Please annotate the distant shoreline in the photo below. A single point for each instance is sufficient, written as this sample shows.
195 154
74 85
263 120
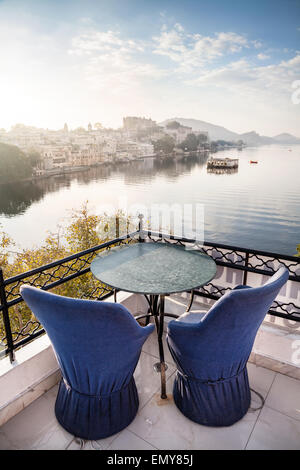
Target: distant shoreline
74 170
173 155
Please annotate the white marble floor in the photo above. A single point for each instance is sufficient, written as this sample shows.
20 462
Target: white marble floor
160 425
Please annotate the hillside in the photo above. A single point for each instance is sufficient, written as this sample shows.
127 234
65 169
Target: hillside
286 139
221 133
14 164
253 138
215 132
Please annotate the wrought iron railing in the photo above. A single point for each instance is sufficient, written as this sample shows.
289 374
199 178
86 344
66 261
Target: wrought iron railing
61 273
74 272
245 261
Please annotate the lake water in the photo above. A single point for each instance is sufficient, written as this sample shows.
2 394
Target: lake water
257 207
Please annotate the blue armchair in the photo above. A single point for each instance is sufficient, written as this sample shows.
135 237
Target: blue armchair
97 345
211 353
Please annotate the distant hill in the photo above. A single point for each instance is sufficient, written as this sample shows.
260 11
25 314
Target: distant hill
221 133
215 132
286 139
253 138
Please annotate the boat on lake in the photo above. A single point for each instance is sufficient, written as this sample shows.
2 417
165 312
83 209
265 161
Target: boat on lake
222 163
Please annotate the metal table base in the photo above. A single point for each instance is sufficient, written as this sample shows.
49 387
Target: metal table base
157 311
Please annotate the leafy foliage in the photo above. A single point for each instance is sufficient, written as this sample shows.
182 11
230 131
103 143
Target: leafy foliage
164 145
34 157
173 125
192 142
14 164
85 231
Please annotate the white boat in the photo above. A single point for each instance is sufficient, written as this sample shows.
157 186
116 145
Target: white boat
223 163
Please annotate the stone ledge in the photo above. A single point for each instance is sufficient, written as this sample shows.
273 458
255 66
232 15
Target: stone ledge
34 372
275 365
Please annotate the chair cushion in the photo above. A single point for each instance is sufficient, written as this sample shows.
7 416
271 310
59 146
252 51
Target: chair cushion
192 317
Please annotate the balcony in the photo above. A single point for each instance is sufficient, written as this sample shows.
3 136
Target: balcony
29 372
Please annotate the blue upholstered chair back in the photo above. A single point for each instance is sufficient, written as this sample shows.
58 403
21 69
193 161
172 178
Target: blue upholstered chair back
211 385
222 342
97 344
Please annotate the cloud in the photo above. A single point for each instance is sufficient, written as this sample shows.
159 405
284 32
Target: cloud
112 62
242 77
103 41
195 50
257 44
262 56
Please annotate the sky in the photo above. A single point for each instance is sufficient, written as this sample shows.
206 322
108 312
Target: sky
227 62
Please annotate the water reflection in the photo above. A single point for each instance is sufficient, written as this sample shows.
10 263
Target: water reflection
173 168
222 171
16 198
257 206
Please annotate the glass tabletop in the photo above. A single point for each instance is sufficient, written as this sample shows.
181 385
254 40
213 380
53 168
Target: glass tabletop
153 268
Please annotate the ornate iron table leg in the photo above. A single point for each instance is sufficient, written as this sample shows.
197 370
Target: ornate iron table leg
161 366
190 302
157 311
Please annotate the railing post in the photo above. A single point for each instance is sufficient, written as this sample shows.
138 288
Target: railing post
246 272
117 226
141 227
6 322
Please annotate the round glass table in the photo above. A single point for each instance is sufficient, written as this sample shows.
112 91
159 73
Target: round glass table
154 270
